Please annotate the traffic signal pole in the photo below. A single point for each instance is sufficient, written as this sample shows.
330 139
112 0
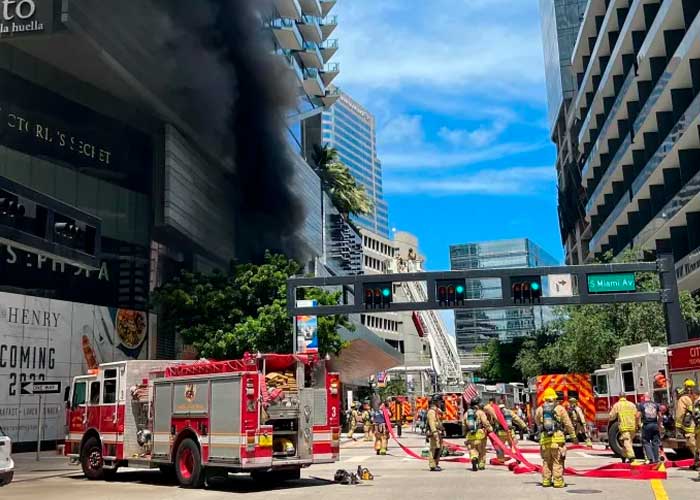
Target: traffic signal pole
580 277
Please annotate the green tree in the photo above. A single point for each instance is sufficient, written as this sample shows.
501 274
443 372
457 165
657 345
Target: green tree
395 387
225 315
348 196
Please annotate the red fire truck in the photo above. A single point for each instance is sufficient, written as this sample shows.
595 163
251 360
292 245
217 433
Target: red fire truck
269 415
643 369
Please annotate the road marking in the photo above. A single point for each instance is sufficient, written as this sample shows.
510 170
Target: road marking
357 459
658 488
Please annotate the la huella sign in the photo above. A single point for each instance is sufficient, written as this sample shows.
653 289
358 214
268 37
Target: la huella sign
18 17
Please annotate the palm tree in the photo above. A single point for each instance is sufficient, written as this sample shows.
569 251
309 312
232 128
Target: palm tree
347 195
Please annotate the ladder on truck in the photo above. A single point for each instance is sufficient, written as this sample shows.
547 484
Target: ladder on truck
443 351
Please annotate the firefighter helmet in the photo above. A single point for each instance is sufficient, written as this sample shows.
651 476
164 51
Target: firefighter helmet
476 401
435 399
573 400
689 383
284 445
549 394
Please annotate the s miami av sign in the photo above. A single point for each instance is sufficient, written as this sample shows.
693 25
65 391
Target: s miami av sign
26 17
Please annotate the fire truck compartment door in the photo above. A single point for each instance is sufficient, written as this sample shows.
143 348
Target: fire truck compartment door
306 423
225 420
162 409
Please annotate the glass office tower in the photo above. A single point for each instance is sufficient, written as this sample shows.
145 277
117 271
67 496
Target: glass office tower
478 326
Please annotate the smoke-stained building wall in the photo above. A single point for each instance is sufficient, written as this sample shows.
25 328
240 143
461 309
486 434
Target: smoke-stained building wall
136 139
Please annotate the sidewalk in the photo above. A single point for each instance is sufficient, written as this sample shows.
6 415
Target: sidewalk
49 465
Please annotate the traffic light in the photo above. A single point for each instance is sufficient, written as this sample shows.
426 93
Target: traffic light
378 295
526 289
451 292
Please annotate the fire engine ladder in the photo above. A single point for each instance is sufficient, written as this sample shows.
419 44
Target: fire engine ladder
445 358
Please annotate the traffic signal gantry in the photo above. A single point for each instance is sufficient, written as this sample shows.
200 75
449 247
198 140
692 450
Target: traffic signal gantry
567 285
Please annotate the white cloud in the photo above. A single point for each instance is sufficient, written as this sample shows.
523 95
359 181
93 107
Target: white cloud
509 181
483 47
401 129
434 158
479 137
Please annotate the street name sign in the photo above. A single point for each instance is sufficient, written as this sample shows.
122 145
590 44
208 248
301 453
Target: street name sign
611 283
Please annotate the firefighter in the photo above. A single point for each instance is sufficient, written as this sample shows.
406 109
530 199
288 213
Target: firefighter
553 421
354 418
514 421
626 412
434 433
397 415
477 427
685 420
381 433
367 421
578 420
652 426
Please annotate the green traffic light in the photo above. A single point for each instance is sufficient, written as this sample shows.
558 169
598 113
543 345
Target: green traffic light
534 286
460 289
386 292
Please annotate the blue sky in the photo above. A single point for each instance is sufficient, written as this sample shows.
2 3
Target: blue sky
457 88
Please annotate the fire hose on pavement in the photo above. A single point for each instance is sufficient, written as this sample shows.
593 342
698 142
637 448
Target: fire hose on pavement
521 465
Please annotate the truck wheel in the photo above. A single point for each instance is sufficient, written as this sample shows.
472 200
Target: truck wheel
91 459
188 464
614 439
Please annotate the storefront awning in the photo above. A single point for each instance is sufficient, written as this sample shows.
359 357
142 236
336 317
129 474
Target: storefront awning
365 355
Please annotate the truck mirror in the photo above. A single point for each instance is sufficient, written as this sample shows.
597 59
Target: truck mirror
66 397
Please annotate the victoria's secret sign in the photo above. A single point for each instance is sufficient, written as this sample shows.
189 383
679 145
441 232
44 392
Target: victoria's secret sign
38 122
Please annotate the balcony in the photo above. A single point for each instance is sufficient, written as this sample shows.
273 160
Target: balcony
310 55
293 64
288 8
331 96
311 8
329 72
328 49
313 85
287 34
328 25
326 6
310 29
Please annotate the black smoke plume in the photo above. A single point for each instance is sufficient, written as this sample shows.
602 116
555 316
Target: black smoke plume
223 74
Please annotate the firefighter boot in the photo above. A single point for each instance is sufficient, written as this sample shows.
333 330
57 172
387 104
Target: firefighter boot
559 483
696 462
475 464
482 465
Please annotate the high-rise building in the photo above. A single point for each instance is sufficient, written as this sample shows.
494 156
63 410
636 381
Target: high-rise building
349 128
561 20
300 32
635 115
382 255
476 327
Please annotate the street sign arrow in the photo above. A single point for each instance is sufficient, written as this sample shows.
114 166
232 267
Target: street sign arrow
32 387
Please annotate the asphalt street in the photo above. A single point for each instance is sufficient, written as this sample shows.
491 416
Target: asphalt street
396 476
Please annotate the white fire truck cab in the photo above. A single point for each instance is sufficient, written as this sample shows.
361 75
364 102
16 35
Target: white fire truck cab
642 369
269 415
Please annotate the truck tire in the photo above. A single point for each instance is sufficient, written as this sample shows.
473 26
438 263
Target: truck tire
91 459
614 439
188 464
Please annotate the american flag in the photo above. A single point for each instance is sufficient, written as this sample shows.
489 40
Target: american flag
469 393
